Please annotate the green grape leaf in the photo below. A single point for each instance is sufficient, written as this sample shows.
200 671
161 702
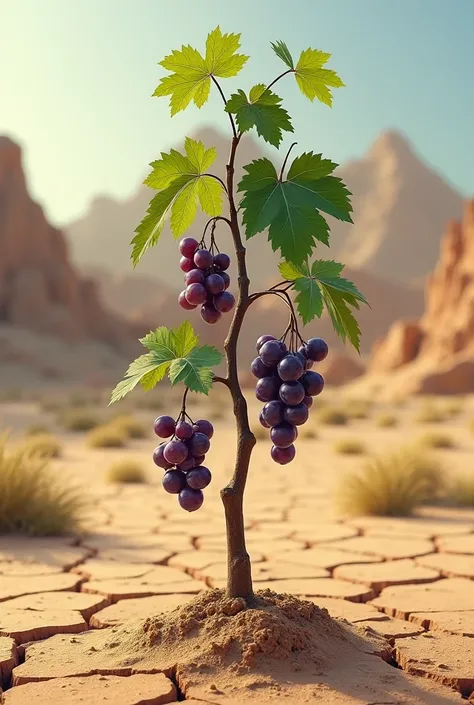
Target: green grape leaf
176 352
190 78
290 209
322 286
261 110
195 370
313 80
182 182
282 51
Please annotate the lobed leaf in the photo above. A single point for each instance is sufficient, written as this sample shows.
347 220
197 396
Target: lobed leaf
261 110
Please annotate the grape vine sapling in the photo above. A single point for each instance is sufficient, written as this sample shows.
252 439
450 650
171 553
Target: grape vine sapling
288 204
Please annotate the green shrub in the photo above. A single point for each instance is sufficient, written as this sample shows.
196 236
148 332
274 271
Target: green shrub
107 436
32 500
349 446
392 484
126 472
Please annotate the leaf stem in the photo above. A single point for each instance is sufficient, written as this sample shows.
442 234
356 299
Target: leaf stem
234 129
285 160
285 73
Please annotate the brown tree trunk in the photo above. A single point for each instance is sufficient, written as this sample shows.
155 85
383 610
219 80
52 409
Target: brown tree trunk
239 579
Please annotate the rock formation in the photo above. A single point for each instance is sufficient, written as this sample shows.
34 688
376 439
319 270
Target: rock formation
40 290
437 351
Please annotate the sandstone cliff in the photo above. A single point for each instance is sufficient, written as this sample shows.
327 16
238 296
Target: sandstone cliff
40 290
436 352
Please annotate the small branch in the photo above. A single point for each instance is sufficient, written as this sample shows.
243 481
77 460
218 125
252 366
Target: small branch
183 403
217 178
222 380
284 296
214 220
285 160
285 73
234 129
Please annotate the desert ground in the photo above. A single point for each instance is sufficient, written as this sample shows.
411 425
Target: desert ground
405 584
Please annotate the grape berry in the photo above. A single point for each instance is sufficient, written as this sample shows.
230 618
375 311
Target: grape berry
206 281
182 456
287 384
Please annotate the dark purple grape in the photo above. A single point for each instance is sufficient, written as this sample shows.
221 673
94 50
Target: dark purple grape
210 314
272 412
292 393
267 388
184 303
296 415
313 383
308 401
188 246
199 478
195 294
283 455
259 369
290 368
214 284
203 259
226 279
198 460
198 444
187 464
309 364
190 499
222 261
184 430
224 302
195 276
164 426
159 458
283 435
261 418
301 357
264 339
316 349
175 452
272 351
174 481
186 264
204 426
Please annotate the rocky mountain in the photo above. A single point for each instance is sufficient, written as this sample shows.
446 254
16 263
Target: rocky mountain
435 353
400 206
40 289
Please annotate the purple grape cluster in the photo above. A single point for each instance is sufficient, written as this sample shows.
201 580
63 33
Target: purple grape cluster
182 458
206 281
287 384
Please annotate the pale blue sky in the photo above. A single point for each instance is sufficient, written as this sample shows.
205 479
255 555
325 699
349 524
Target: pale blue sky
76 78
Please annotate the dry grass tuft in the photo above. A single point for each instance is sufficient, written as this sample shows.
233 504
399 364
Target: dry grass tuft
437 439
131 426
462 491
392 484
454 407
126 472
32 501
333 416
107 436
37 429
308 433
430 413
386 421
358 408
44 445
349 446
79 420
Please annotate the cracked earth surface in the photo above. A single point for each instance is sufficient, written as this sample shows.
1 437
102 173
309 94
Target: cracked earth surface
408 582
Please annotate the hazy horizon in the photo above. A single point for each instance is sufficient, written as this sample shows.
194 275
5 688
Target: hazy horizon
78 79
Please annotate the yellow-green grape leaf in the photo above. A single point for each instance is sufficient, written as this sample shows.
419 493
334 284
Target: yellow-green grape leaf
190 77
313 80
